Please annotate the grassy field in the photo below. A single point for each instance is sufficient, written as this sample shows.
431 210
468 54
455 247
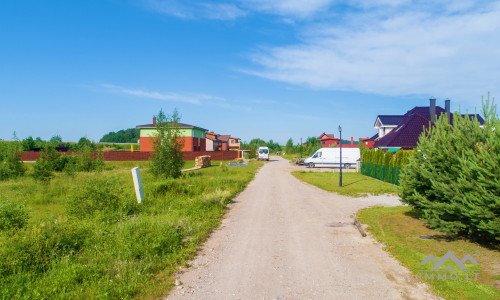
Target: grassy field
353 184
88 238
400 230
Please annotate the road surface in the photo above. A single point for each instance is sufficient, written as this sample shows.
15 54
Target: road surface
285 239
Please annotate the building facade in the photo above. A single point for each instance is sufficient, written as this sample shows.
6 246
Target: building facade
192 137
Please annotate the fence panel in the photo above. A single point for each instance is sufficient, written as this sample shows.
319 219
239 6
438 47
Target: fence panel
388 174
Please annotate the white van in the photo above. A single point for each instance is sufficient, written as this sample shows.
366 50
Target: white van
330 157
263 153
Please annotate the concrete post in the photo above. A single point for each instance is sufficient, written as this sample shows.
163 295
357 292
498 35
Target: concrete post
136 175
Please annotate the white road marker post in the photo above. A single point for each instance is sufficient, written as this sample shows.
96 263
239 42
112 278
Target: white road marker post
136 175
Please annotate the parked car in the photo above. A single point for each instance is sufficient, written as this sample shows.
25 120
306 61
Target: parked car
330 157
263 153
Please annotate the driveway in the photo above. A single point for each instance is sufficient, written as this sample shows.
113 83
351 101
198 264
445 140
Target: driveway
285 239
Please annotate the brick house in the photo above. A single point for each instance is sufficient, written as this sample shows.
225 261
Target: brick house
329 140
193 137
232 142
214 143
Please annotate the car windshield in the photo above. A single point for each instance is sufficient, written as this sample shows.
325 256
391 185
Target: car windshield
263 151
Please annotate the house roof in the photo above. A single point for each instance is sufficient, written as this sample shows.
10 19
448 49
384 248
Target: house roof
181 125
406 134
374 137
324 136
224 137
389 120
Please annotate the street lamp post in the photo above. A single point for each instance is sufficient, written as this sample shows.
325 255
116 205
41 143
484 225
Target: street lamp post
340 180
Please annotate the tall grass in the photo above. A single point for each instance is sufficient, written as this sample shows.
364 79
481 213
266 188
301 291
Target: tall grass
87 237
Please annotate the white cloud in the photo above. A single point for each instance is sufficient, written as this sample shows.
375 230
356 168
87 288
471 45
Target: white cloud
196 9
169 96
411 52
294 8
191 98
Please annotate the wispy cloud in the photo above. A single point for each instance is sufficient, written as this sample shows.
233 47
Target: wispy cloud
168 96
288 8
196 9
412 51
191 98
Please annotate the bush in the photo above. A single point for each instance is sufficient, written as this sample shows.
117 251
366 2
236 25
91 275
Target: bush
13 215
85 160
12 166
42 170
101 197
453 176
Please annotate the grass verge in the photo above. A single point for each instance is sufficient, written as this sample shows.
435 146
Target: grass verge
87 237
399 229
353 184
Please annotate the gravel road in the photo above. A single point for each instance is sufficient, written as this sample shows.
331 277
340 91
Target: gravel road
285 239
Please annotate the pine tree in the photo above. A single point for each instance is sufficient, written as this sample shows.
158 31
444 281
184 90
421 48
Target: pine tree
453 177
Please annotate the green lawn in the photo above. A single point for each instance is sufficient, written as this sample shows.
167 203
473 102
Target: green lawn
399 229
70 249
353 184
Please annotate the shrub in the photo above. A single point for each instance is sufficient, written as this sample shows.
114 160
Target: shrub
100 196
85 160
42 170
13 215
12 166
453 176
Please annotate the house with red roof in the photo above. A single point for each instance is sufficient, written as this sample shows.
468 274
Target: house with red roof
329 140
405 134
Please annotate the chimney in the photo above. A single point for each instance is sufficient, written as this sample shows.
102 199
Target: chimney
352 140
447 109
154 121
432 109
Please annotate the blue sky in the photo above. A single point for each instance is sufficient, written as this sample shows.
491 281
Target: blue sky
249 68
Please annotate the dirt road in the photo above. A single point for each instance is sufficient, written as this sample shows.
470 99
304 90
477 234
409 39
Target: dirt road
285 239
